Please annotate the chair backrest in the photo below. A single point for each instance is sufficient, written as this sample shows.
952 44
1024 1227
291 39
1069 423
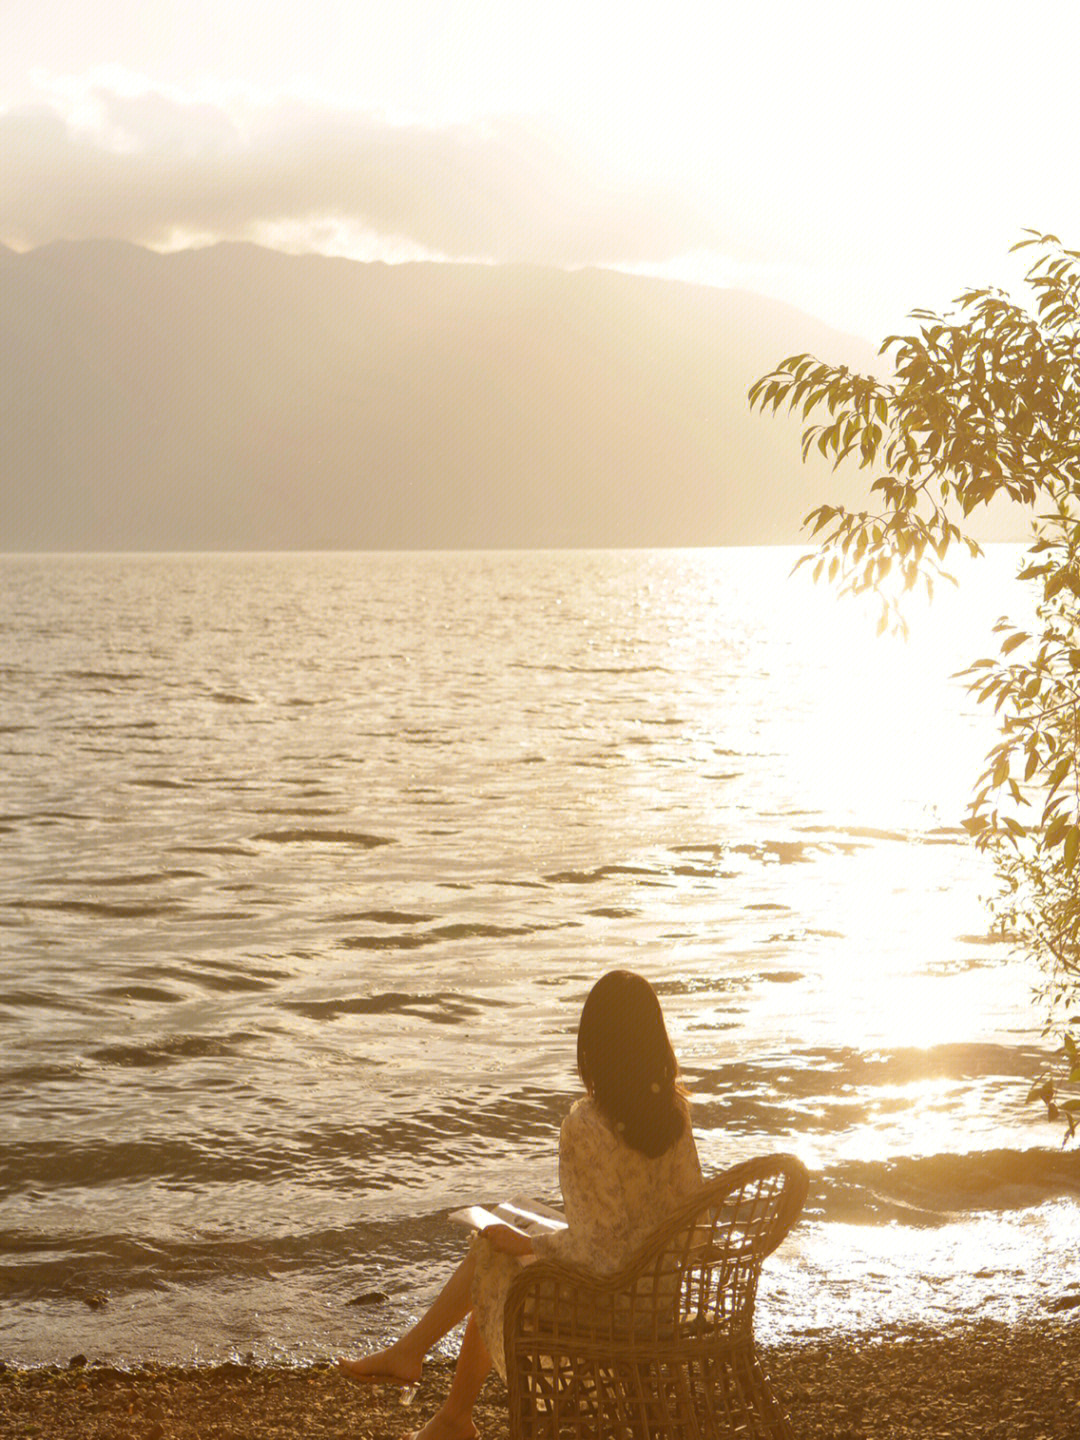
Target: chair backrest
717 1244
697 1272
590 1356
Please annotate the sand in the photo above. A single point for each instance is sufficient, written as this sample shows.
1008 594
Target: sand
983 1382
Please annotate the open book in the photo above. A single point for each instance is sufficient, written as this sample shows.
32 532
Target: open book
528 1215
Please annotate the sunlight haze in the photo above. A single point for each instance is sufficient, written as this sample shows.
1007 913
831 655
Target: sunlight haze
414 421
853 161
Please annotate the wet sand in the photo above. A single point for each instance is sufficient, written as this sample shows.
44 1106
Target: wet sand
986 1382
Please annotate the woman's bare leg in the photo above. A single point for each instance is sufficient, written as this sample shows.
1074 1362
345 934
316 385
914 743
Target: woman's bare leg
453 1419
404 1359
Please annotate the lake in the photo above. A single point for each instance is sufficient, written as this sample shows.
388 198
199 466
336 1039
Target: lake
307 863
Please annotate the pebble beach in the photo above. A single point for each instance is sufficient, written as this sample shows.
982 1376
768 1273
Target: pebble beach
984 1382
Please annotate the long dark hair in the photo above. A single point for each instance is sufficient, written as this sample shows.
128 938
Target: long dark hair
627 1065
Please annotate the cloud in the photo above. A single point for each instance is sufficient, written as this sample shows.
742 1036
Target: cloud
144 165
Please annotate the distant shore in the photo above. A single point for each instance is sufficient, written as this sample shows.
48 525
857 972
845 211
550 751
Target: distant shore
987 1382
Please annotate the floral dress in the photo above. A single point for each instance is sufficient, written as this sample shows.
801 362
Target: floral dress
613 1196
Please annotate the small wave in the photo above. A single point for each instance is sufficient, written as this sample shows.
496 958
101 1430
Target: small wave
302 836
617 670
590 669
153 783
102 908
22 1076
601 872
211 850
234 984
169 1050
41 1265
466 931
857 832
48 1166
960 965
155 993
933 1189
229 697
96 882
38 1000
311 812
384 942
787 852
112 675
214 917
459 930
444 1009
220 976
612 912
812 1074
385 917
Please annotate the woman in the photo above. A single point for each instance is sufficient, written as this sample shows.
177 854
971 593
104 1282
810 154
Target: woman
626 1157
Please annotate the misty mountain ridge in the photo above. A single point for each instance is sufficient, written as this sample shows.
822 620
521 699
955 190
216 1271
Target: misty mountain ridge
234 397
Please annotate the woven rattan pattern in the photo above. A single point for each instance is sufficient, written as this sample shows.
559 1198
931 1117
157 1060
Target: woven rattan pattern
663 1350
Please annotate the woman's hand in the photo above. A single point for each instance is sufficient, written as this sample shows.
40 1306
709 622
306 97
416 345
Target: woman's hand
507 1240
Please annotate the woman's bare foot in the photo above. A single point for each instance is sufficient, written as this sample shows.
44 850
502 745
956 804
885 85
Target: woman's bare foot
443 1427
393 1366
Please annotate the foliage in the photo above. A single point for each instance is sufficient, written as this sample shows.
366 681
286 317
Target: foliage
984 401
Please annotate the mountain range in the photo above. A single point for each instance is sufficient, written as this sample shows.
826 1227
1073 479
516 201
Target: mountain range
238 398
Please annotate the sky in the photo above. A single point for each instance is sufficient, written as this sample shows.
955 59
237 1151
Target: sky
854 159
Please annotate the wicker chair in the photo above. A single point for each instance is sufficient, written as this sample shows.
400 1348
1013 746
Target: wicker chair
663 1350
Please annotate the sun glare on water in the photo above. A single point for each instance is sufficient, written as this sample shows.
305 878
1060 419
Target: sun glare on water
881 749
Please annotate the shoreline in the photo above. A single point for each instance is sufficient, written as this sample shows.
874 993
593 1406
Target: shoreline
989 1380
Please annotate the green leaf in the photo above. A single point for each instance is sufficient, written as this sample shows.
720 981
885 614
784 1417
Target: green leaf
1061 769
1055 831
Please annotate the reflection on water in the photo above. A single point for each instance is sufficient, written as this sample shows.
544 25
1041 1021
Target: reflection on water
308 865
843 1277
